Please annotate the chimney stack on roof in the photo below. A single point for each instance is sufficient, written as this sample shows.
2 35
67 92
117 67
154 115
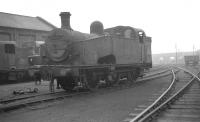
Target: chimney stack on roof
65 20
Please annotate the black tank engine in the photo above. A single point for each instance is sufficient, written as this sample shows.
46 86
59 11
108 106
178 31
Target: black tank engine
85 60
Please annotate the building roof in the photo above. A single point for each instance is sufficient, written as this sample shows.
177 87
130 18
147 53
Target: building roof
24 22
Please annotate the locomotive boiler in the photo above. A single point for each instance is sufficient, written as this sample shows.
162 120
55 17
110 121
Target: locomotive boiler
78 59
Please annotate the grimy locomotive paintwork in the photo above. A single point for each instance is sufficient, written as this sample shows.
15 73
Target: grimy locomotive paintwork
13 62
80 59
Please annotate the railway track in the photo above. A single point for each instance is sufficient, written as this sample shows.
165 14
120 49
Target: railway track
158 67
179 103
27 97
186 108
20 102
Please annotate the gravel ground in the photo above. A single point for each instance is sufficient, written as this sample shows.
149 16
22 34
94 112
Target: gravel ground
95 107
6 91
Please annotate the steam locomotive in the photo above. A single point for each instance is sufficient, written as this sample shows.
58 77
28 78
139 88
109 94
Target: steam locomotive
113 55
13 62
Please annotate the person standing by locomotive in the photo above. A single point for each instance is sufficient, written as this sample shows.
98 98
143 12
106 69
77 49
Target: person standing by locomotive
38 77
58 83
51 85
110 79
51 80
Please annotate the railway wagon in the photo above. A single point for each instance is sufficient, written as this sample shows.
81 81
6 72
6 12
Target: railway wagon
191 60
106 56
13 62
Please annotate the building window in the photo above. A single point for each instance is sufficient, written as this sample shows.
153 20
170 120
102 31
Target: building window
5 36
26 40
9 48
38 47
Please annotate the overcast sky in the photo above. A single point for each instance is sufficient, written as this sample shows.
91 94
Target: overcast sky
168 22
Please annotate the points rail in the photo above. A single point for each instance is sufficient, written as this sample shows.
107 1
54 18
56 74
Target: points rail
158 102
163 102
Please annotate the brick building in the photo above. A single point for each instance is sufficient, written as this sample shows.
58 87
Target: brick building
25 30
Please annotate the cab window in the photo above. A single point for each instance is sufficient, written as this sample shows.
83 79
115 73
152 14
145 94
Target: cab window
141 34
9 48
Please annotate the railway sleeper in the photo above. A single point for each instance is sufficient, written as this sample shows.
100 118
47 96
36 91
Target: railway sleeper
184 106
189 111
187 102
178 118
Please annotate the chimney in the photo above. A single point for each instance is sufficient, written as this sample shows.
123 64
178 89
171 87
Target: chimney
65 20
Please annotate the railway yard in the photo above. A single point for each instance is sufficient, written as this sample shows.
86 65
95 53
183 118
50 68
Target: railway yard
145 100
104 74
125 71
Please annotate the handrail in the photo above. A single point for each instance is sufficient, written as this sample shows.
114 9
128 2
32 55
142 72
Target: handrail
158 101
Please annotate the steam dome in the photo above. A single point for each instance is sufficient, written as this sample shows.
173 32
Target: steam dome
96 28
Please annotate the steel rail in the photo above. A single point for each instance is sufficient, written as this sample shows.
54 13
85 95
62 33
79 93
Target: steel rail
27 97
157 73
164 105
154 76
16 106
187 71
158 102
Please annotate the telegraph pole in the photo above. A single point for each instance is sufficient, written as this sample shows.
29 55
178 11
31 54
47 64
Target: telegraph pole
176 53
193 49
